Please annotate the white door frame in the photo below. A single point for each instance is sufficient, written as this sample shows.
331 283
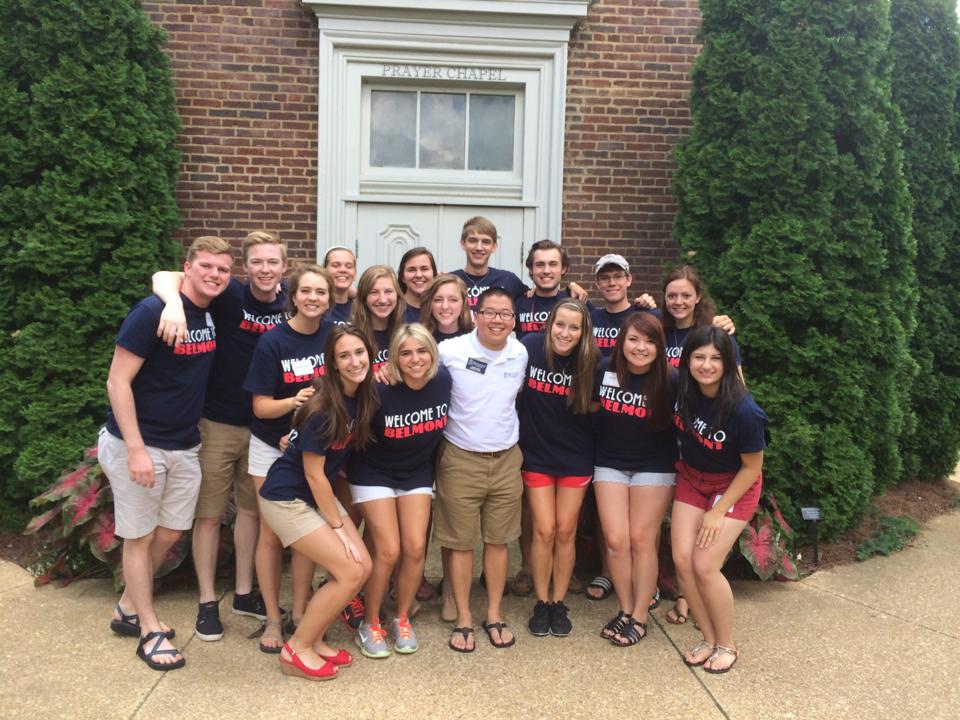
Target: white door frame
514 42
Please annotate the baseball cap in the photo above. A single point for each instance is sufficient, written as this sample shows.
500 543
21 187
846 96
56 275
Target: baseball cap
611 259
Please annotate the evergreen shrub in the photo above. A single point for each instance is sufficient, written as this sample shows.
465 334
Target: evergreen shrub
793 203
88 168
926 79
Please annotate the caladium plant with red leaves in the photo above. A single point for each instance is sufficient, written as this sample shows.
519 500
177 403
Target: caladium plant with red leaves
766 542
77 527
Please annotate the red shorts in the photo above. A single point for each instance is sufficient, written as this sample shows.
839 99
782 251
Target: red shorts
539 480
703 490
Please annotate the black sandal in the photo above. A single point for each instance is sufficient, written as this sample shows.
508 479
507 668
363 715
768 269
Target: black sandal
129 625
467 632
615 626
630 634
148 655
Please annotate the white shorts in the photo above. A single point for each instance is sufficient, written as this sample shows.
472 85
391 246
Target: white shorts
261 457
639 479
366 493
170 503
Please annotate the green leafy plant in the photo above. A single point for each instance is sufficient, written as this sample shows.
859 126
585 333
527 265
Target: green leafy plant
793 204
767 542
76 525
88 170
893 534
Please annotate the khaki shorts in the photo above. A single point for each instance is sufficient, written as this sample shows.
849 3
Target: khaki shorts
223 467
170 503
291 520
477 492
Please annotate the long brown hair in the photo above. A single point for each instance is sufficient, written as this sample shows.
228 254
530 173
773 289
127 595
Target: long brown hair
703 311
328 396
658 389
465 322
585 356
360 315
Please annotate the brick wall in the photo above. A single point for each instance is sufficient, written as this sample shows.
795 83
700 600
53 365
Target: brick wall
245 76
627 87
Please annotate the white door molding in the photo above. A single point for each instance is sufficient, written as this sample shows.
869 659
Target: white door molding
519 44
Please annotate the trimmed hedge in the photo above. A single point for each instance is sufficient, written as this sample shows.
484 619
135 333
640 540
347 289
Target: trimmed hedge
87 174
926 80
792 197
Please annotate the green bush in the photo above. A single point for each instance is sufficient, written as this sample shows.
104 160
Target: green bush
87 174
792 199
926 79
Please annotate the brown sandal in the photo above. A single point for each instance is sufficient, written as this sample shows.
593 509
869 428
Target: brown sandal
273 631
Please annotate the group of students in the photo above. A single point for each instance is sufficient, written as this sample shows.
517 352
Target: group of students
321 408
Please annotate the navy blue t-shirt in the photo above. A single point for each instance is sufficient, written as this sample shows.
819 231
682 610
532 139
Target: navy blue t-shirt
718 450
554 440
286 479
532 312
339 314
411 314
675 338
381 349
284 362
406 431
495 277
240 320
625 439
169 388
606 327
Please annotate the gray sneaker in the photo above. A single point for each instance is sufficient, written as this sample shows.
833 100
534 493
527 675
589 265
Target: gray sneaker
372 641
404 638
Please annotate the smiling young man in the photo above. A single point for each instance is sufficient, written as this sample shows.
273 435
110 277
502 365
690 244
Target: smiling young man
613 281
478 240
243 313
547 263
478 463
148 448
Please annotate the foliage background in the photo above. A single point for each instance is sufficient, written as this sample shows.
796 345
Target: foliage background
87 174
793 199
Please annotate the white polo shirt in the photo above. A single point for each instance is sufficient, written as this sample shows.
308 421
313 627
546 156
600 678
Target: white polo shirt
483 404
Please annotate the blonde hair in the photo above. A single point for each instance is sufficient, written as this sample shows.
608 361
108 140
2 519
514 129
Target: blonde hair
210 244
261 237
465 322
413 331
360 314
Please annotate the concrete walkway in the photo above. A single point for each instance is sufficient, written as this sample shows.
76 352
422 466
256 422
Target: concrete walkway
878 639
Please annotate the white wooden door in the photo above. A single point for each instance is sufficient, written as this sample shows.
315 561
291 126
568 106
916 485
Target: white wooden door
385 231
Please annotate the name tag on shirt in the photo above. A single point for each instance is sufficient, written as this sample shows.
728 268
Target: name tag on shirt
477 366
610 379
302 367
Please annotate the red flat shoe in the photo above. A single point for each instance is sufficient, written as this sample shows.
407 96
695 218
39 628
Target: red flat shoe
341 659
296 667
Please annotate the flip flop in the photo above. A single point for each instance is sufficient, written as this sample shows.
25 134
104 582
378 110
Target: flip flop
675 617
717 652
604 583
498 626
466 632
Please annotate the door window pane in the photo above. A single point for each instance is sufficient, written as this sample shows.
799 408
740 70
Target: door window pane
491 132
393 129
443 124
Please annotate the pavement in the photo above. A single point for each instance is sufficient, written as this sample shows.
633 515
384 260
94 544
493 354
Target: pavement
877 639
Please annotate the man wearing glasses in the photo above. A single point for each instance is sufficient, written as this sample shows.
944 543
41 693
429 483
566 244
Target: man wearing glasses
478 462
613 281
